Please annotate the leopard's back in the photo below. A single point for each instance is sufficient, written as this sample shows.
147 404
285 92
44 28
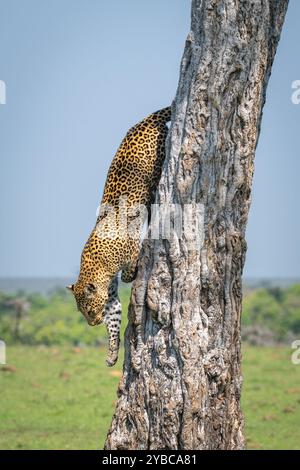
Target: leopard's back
136 167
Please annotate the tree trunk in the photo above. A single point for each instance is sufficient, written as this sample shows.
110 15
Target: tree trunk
181 384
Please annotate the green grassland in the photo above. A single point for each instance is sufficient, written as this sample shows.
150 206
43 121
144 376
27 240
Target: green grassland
62 397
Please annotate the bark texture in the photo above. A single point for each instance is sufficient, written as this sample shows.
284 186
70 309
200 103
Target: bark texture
182 380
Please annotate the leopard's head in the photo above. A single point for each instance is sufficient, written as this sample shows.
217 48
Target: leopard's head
91 298
91 289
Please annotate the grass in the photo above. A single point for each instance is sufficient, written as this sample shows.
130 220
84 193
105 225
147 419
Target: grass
63 398
271 398
57 398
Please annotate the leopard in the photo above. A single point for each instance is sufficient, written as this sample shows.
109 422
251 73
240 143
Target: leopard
113 245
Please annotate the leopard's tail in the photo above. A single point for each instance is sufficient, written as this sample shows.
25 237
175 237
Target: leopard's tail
163 115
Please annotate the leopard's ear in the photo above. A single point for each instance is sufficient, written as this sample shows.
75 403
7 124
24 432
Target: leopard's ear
71 287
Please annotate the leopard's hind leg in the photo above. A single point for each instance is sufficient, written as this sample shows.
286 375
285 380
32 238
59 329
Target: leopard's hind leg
129 270
112 321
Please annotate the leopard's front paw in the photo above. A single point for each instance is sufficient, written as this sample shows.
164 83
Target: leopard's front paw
112 358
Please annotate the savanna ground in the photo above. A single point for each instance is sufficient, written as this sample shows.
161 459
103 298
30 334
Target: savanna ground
60 397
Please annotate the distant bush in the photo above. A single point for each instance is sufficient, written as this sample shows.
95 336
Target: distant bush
276 310
258 335
269 315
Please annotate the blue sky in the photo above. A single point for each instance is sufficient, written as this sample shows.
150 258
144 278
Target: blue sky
78 74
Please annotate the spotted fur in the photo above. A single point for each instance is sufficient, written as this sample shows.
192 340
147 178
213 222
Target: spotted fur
112 321
132 179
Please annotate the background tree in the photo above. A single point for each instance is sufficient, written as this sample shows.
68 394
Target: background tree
182 380
20 308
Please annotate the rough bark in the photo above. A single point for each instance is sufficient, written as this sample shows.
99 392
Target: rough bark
181 383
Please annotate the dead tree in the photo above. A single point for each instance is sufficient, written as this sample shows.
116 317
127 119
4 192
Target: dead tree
181 383
20 307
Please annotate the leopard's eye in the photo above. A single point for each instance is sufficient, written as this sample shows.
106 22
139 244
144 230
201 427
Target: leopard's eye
90 288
